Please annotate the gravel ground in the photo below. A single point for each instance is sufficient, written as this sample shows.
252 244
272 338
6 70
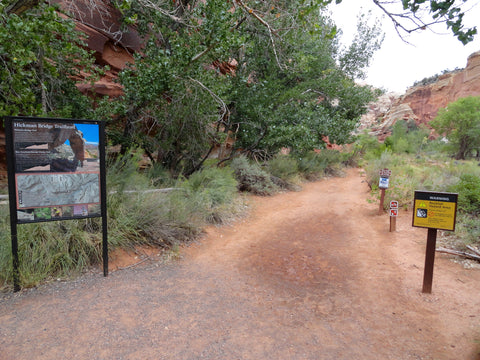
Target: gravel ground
309 275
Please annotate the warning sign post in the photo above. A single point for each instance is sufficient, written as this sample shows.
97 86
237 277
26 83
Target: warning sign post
434 211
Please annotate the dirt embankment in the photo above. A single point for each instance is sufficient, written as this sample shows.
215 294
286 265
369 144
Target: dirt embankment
313 275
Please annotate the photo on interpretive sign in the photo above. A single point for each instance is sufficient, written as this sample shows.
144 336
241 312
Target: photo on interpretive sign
57 168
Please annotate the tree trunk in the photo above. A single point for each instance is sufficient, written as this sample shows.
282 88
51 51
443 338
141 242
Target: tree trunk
21 6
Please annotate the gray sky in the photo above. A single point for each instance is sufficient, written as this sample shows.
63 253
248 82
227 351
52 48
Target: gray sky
397 65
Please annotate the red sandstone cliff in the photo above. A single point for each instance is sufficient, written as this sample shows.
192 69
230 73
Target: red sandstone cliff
426 100
422 102
112 44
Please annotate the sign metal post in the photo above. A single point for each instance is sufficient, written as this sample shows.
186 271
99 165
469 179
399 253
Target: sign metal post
56 171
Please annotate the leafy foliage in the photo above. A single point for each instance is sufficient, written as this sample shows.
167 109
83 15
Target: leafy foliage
284 87
406 138
213 192
40 55
448 10
316 165
284 167
251 178
460 123
468 189
307 98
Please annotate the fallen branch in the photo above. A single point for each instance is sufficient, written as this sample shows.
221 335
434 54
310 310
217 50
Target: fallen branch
459 253
475 250
164 190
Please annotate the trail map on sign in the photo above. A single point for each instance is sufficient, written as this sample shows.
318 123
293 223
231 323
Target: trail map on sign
57 168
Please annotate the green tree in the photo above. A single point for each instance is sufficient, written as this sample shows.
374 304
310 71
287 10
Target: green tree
295 92
172 106
291 85
460 123
41 54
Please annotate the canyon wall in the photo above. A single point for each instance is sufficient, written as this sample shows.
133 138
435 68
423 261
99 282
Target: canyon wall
421 103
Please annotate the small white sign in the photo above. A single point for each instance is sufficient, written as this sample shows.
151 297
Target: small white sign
383 183
393 204
393 212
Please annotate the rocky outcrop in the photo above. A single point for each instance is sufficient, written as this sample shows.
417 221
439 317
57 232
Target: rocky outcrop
113 44
421 103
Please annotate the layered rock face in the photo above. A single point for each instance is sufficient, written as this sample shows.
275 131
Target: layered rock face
426 100
112 44
422 102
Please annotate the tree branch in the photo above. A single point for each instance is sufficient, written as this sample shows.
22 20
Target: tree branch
21 6
272 32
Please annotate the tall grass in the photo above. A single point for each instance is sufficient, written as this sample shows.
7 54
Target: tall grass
425 167
316 165
136 216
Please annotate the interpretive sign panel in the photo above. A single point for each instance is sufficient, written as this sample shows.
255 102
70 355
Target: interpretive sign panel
56 171
435 210
57 168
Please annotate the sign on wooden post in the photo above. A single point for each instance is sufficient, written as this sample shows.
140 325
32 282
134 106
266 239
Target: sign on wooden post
383 185
393 215
434 211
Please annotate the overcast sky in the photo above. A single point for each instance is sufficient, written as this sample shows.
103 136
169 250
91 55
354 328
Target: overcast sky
398 65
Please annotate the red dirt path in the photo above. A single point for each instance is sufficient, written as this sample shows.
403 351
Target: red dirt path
313 275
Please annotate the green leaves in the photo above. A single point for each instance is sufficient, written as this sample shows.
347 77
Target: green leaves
446 10
39 52
460 123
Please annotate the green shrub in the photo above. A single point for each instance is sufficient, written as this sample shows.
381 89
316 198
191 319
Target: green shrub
369 146
284 167
251 178
406 138
284 172
123 173
156 219
468 229
468 189
5 247
213 192
316 165
159 176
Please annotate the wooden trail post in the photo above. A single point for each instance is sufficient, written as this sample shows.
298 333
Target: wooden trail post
429 261
382 201
433 211
393 215
383 185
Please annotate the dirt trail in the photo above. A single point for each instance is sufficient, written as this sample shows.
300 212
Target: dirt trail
309 275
